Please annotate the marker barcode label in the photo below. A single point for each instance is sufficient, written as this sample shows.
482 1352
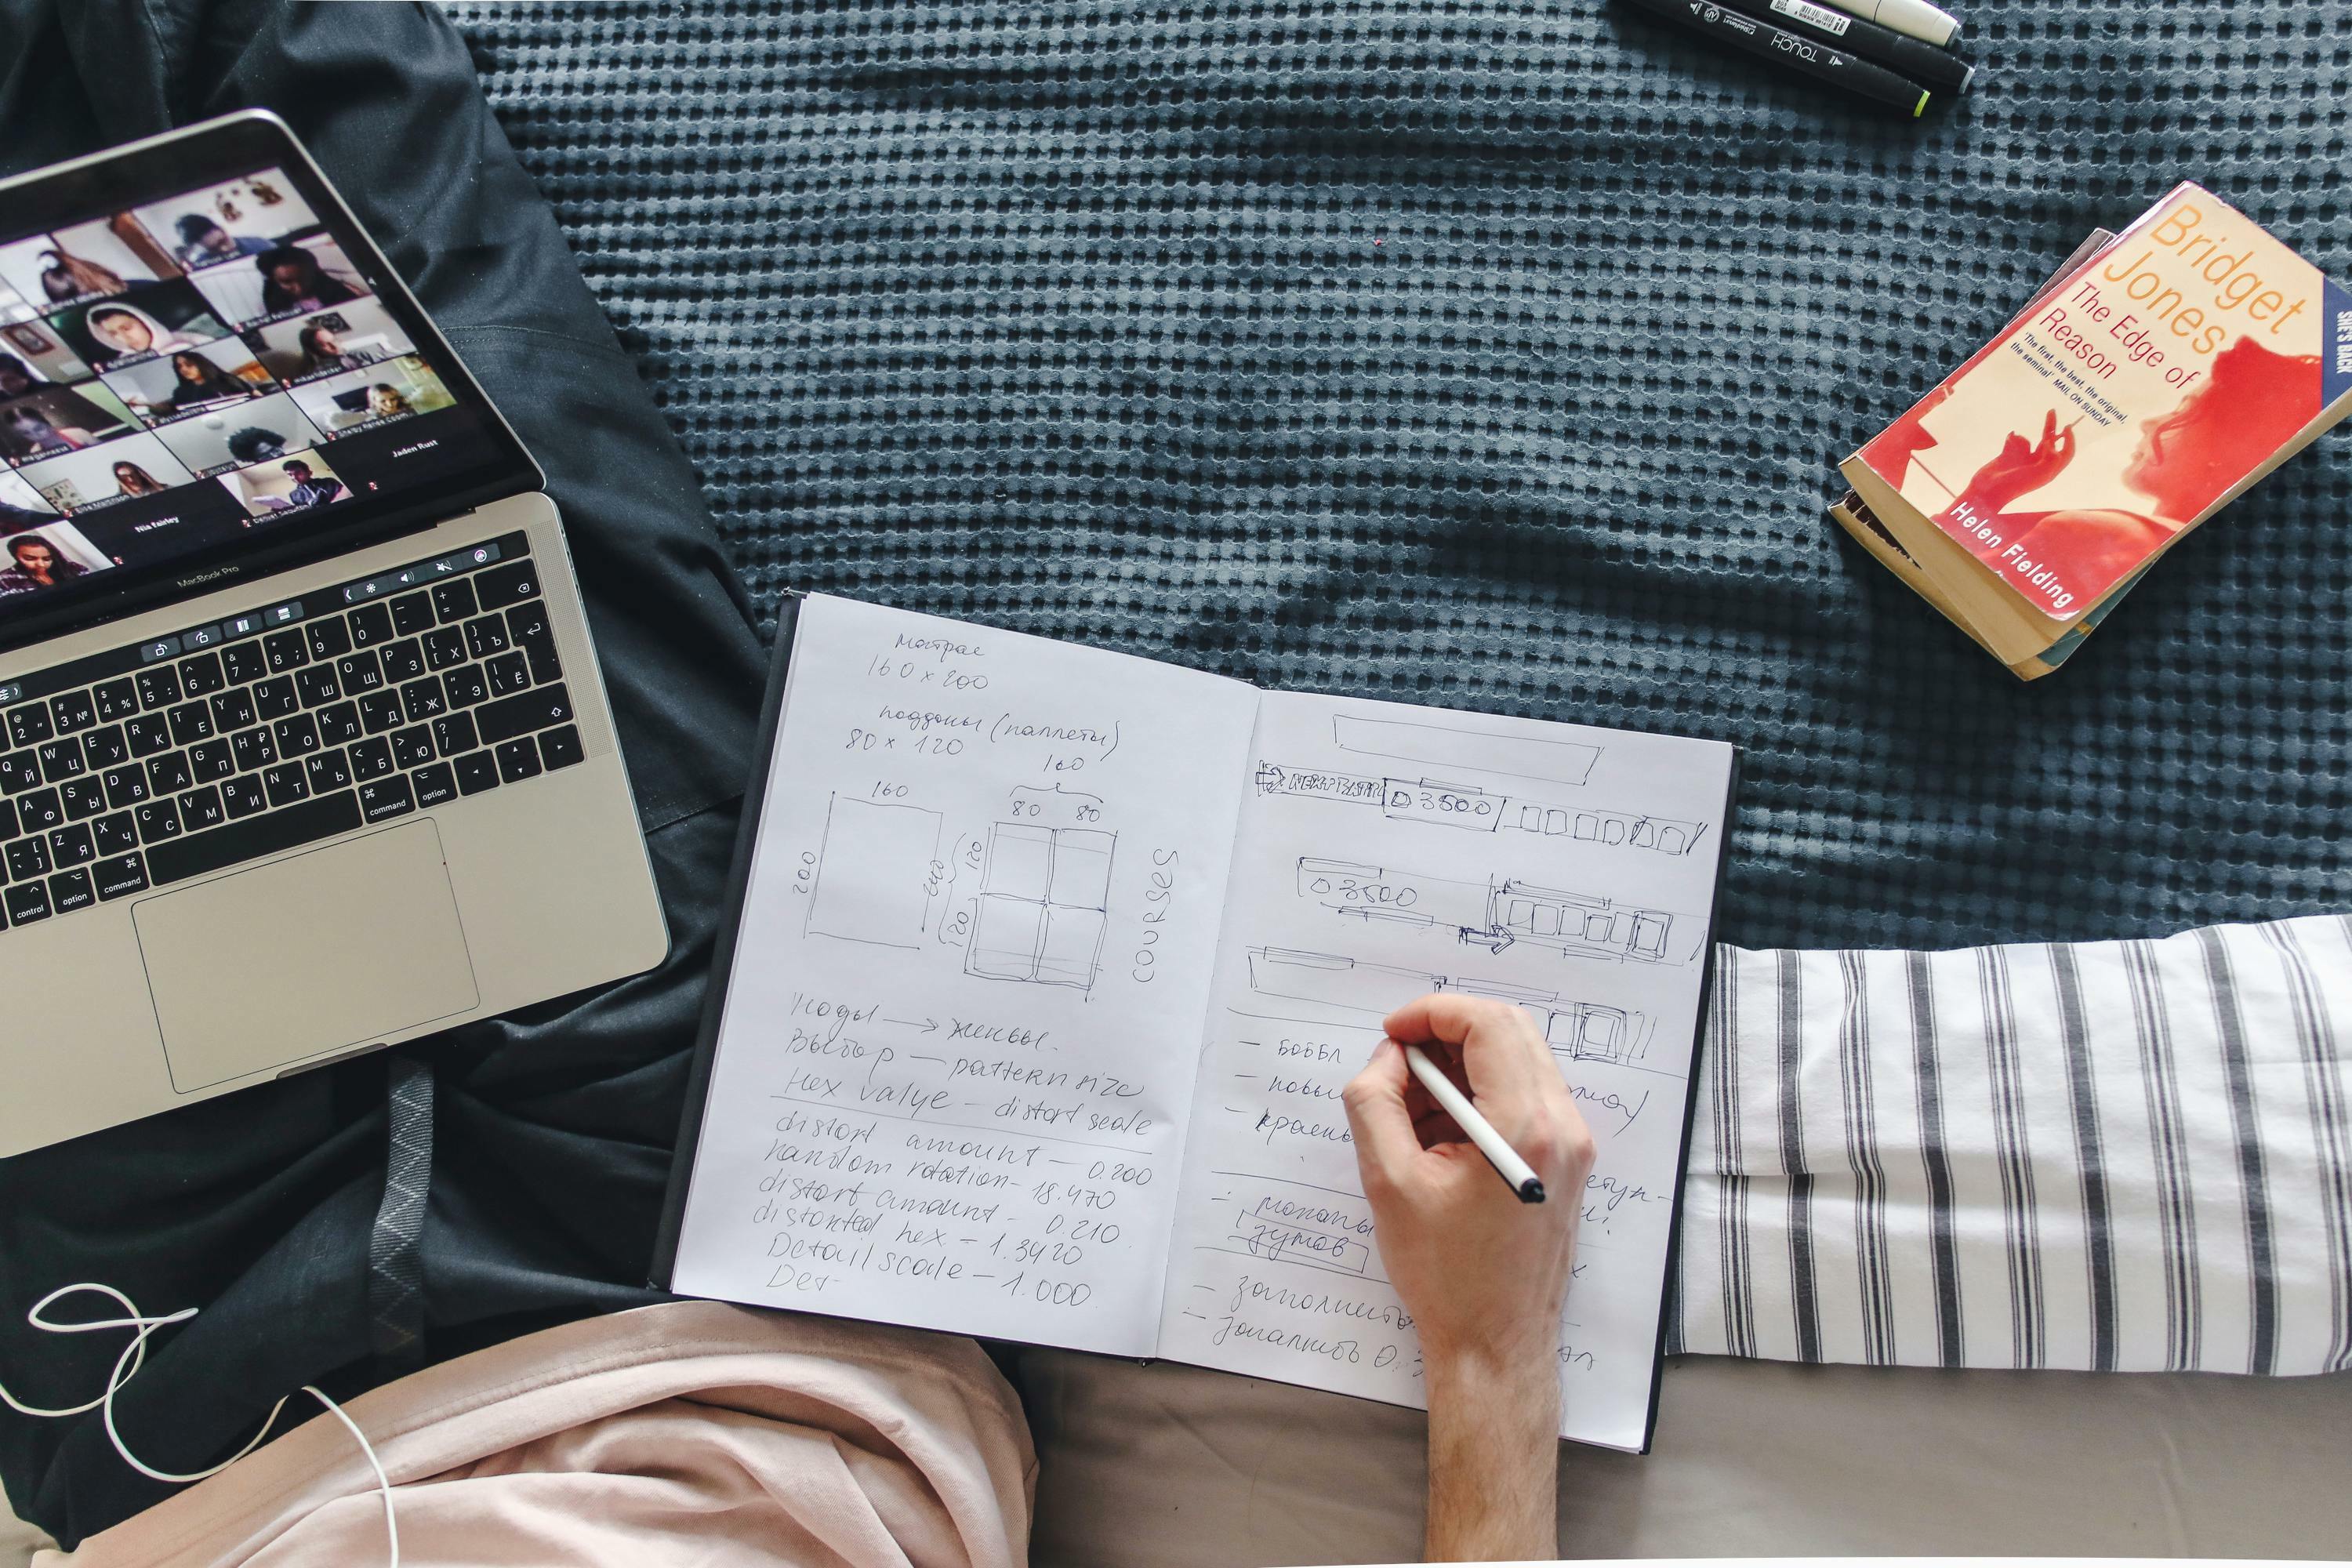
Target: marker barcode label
1821 16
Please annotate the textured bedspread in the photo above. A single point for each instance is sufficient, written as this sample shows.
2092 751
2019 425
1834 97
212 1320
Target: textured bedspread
1493 355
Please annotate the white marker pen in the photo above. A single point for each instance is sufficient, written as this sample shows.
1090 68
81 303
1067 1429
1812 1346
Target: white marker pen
1915 18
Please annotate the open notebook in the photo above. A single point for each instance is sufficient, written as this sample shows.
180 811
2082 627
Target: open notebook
1051 963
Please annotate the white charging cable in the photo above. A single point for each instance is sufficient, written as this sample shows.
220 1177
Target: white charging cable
134 1356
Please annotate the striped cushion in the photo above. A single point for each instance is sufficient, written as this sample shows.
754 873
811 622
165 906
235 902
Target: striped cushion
2129 1156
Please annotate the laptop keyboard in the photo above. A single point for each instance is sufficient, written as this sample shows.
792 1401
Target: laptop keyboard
223 743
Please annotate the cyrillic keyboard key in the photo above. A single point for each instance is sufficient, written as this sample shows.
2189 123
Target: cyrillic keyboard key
73 710
232 712
18 772
317 684
486 636
454 601
71 845
340 725
412 747
60 761
371 759
41 810
285 784
116 834
275 699
158 820
191 722
269 834
380 711
211 762
509 673
170 773
243 795
201 809
105 746
328 772
253 749
148 734
84 798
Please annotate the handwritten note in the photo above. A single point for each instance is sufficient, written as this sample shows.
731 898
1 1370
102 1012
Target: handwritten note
1386 852
961 1032
1054 960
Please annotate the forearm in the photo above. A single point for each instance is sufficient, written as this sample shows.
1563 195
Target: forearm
1494 1452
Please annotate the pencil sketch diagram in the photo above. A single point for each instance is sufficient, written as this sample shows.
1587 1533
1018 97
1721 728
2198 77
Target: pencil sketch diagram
878 871
1474 810
1584 1031
1450 745
1043 905
1495 914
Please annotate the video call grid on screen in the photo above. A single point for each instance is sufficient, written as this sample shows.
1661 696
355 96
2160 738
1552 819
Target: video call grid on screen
211 347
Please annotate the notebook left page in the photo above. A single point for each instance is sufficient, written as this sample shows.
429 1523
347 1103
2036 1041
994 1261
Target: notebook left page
965 1012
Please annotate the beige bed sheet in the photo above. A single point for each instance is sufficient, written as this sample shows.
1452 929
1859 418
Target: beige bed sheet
1170 1466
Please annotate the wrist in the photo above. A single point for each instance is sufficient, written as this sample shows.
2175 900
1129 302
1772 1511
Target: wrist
1522 1369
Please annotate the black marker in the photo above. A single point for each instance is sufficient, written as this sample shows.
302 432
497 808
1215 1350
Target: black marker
1800 54
1921 60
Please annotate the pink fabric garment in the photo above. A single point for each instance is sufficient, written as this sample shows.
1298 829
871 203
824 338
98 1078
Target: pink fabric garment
690 1433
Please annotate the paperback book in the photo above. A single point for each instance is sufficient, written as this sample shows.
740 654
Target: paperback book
2164 370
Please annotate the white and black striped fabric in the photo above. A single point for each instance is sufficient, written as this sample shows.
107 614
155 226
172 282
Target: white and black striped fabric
2124 1156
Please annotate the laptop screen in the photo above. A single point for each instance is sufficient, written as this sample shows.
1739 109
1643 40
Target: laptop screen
195 369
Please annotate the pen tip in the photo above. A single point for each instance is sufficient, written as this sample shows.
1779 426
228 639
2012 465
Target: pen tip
1919 108
1532 1191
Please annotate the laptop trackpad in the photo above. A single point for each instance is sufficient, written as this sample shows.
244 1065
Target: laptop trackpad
313 956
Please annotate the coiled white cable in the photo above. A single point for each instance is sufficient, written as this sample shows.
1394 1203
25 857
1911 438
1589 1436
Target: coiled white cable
126 1367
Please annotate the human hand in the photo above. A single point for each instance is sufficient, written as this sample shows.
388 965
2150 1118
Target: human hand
2022 467
1482 1273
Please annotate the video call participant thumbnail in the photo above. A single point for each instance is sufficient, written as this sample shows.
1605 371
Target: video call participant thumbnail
160 318
309 274
330 341
229 222
239 434
49 557
126 469
191 381
299 483
56 420
21 506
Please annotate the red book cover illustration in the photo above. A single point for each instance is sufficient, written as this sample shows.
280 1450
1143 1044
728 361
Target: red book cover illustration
2126 403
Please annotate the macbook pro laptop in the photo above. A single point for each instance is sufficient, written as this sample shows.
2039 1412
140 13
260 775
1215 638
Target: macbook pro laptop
303 749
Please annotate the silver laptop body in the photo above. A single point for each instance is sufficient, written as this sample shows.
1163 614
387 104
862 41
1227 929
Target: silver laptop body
303 747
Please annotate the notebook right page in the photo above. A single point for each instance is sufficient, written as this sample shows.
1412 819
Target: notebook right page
1386 851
